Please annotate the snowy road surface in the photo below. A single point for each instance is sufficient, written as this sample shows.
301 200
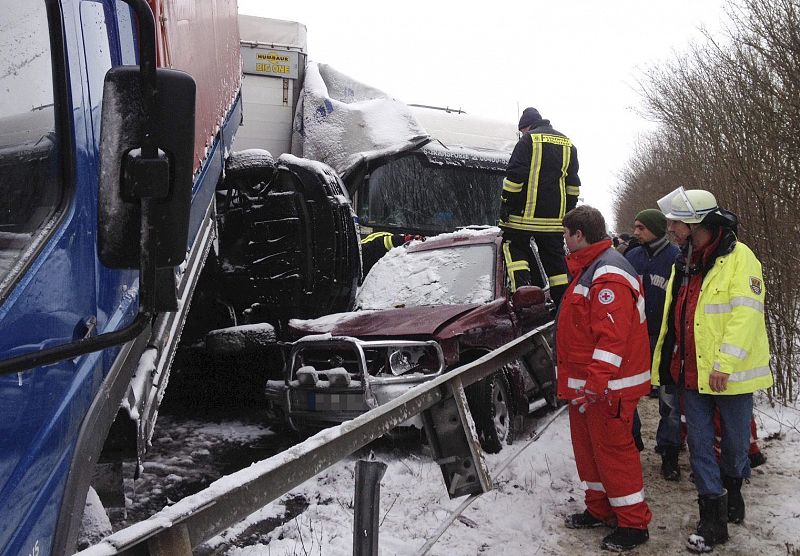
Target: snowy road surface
522 515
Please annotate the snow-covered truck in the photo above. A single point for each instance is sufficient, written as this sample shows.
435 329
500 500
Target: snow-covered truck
408 168
116 118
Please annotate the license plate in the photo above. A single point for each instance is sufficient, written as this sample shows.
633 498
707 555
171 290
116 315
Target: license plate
324 401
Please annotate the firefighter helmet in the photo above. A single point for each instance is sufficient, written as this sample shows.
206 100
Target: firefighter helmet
690 207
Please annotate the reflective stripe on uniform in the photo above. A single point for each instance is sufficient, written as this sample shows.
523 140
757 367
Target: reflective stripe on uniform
511 187
519 265
565 156
614 384
533 180
535 224
573 190
581 290
607 357
375 235
513 266
607 269
741 376
741 301
576 383
558 280
629 500
736 351
547 138
747 302
627 382
594 486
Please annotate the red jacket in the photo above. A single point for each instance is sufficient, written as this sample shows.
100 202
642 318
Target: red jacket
601 336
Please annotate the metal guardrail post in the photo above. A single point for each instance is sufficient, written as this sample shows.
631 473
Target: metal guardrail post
171 542
454 442
367 505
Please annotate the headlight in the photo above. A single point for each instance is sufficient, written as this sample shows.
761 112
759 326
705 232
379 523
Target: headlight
405 359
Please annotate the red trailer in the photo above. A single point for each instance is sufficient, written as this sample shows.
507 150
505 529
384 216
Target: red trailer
201 37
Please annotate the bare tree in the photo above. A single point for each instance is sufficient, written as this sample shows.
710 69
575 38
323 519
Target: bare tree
729 121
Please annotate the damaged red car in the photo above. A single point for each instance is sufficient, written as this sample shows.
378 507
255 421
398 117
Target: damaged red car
424 308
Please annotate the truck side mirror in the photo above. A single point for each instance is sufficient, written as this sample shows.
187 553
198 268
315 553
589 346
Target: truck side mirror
527 296
127 180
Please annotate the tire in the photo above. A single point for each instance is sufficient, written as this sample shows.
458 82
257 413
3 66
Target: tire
248 169
495 413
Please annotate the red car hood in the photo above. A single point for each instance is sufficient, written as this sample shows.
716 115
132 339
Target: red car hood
409 321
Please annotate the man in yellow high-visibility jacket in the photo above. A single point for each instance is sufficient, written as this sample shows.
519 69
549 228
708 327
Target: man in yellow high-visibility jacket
713 345
540 187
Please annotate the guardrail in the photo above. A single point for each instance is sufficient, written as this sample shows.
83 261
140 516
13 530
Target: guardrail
197 518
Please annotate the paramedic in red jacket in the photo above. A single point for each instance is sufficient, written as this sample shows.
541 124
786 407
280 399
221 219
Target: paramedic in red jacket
603 369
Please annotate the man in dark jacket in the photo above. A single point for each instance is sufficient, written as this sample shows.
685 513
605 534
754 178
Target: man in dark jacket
540 187
653 261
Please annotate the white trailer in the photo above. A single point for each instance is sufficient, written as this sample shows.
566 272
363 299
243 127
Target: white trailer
274 55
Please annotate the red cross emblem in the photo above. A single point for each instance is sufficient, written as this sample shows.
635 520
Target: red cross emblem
605 296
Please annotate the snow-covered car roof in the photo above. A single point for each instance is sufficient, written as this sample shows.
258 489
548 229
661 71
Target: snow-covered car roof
454 268
462 236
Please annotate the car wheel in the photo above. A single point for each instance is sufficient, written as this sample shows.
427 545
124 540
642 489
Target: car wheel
497 414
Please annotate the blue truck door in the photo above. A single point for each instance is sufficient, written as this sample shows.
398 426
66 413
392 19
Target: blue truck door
49 277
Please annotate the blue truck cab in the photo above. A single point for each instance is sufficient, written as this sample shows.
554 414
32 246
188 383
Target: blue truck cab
106 219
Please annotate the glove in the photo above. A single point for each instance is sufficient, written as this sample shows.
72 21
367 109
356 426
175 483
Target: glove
587 397
504 211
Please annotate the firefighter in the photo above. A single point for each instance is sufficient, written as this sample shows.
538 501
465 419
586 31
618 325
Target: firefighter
713 345
540 186
603 369
377 244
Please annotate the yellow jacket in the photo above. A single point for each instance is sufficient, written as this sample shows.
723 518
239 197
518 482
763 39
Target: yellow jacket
730 330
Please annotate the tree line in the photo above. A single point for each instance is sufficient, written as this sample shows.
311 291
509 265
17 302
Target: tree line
728 115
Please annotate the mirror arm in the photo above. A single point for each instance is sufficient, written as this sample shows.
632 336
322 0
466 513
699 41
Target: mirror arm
75 349
150 164
147 66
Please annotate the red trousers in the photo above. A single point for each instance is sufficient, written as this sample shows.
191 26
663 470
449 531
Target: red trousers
608 462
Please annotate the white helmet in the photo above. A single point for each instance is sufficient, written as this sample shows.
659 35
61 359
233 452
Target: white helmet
689 207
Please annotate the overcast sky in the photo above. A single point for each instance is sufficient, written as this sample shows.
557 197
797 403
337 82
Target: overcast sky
578 62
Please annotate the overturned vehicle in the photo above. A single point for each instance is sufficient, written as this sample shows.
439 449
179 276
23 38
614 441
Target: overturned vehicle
424 309
408 168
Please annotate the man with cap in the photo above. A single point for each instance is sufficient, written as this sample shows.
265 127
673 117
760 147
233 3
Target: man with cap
653 260
541 185
713 345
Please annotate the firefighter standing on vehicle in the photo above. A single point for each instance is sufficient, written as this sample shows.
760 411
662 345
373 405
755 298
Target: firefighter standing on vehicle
603 357
541 185
713 344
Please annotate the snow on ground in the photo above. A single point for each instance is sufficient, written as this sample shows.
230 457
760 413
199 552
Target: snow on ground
524 513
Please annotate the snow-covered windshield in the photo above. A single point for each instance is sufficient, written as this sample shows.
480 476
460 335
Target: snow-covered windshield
452 275
420 194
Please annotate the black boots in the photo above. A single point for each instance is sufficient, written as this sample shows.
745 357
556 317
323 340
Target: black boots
624 538
669 464
756 459
584 520
713 525
735 500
